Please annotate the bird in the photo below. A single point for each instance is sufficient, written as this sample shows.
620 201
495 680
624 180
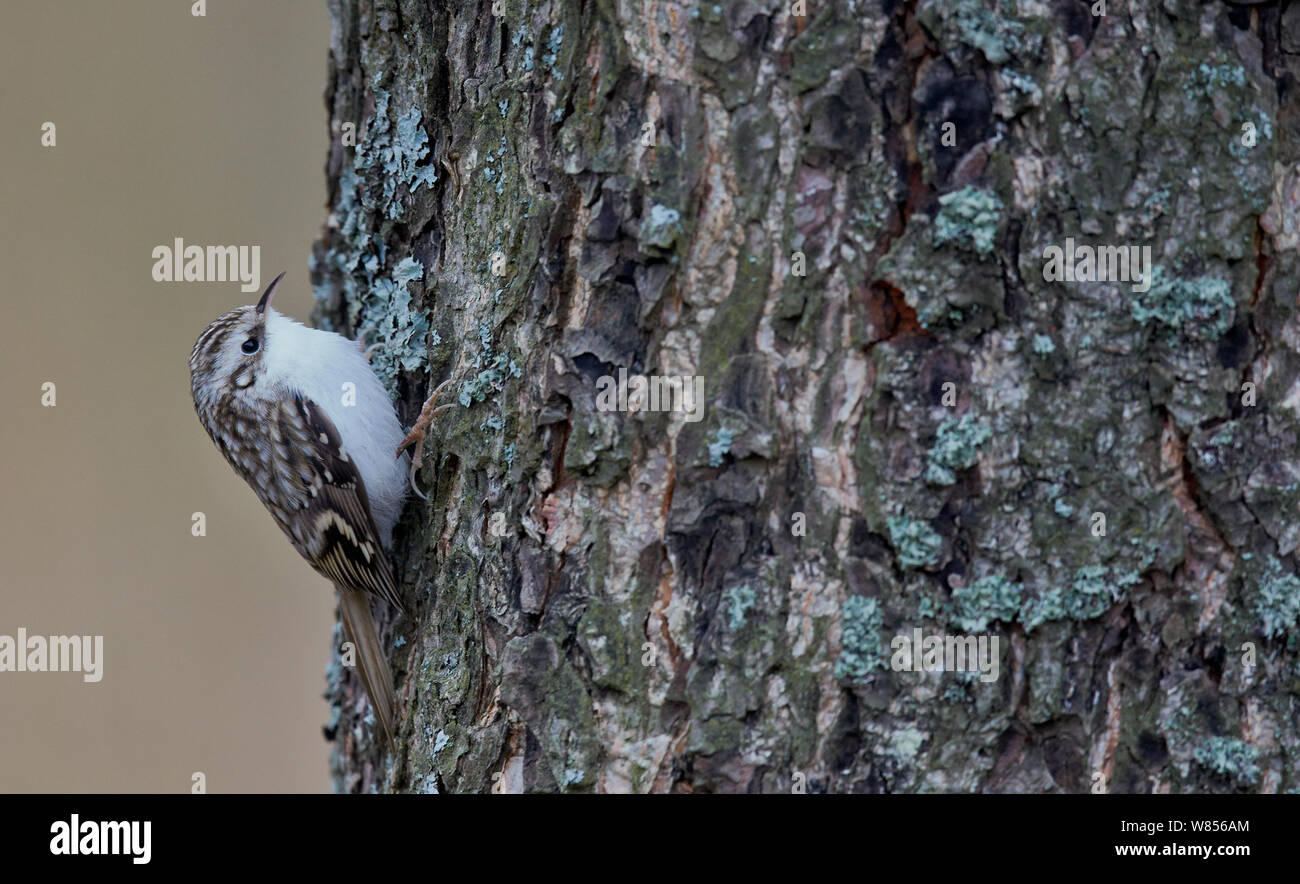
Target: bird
300 416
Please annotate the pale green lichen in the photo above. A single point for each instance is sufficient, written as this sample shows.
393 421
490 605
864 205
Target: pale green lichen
351 249
440 741
916 543
1090 594
393 323
739 600
492 371
874 203
1230 757
720 445
1043 345
1212 78
497 177
906 743
1199 309
927 607
985 600
1278 601
969 216
393 155
553 43
1026 87
1040 610
398 154
956 445
860 650
991 31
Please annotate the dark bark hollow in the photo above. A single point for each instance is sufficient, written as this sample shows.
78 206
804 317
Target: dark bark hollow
839 221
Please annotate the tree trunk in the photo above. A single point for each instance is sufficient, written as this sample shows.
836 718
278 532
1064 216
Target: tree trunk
838 216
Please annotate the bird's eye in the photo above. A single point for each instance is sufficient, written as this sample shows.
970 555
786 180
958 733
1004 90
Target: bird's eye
250 346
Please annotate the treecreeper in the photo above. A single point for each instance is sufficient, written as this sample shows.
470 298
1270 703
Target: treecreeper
300 416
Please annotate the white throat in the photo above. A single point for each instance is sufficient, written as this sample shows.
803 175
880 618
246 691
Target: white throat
331 371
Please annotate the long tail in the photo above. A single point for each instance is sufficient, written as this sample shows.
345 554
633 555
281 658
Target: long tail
372 662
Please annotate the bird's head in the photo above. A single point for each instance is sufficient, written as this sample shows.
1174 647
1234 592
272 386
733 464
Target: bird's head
230 356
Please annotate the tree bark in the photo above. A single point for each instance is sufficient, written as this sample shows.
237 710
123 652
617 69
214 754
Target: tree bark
838 219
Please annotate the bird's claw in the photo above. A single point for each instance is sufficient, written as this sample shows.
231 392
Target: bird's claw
416 436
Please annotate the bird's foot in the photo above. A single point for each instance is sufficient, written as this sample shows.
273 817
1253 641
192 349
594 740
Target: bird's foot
416 436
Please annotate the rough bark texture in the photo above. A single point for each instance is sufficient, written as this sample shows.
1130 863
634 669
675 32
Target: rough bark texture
618 601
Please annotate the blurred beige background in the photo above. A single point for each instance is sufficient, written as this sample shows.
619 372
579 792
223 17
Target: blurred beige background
212 129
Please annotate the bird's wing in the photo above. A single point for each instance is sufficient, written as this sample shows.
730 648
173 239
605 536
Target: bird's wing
335 531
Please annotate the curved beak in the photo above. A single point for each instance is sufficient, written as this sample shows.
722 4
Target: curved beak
270 290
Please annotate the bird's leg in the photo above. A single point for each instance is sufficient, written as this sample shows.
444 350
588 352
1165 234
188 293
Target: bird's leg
427 413
426 417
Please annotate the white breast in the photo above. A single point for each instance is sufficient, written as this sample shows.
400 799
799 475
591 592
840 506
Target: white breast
321 365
